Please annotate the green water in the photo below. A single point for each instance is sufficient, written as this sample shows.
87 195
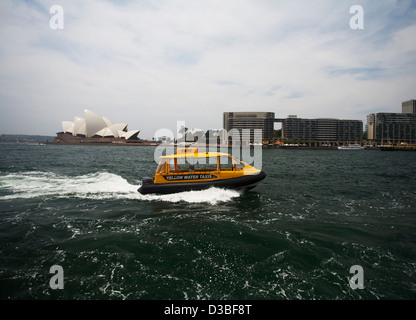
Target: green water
295 236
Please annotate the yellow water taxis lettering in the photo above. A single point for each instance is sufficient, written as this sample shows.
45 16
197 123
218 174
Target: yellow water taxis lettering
190 177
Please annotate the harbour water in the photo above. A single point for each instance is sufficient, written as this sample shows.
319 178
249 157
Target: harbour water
295 236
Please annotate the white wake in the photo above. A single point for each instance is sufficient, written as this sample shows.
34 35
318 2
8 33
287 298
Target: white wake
101 185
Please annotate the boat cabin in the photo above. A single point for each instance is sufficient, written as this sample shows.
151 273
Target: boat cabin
192 165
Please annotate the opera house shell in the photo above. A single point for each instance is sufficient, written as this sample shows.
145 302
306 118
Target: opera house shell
94 128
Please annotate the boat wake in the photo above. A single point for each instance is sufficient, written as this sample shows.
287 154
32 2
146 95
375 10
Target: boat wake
100 185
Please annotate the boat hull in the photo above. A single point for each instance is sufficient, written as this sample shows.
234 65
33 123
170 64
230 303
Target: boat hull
245 182
351 147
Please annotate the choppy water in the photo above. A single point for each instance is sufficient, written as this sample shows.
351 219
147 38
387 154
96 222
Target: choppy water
295 236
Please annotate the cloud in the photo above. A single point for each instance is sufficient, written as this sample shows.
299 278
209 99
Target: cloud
152 63
360 73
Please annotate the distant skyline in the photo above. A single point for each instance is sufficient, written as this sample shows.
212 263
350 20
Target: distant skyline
152 63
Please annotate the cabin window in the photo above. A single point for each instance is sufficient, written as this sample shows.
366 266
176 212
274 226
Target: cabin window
205 163
162 168
207 166
182 164
226 163
196 164
238 165
231 163
171 164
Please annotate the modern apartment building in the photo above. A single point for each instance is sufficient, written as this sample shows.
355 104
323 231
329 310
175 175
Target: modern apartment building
250 120
330 131
395 128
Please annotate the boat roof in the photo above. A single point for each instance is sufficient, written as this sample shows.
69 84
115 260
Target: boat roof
195 155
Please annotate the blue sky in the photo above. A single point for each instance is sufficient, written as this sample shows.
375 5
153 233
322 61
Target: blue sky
153 63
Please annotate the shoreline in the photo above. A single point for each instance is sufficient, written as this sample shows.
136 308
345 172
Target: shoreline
207 146
135 144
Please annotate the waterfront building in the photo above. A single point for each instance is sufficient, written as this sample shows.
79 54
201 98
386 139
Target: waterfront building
294 128
94 128
322 131
250 120
391 128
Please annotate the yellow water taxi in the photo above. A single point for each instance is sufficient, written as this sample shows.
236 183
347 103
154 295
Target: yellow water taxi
190 169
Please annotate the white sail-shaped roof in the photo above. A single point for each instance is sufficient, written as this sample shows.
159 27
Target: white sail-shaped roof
79 126
107 121
68 126
115 128
94 123
112 131
131 134
105 132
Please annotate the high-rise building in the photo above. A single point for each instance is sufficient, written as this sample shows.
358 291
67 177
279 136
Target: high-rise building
250 120
409 107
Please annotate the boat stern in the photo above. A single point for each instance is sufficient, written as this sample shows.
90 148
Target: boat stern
146 182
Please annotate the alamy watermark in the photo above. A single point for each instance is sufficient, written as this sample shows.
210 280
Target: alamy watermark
57 20
250 146
357 20
357 280
57 281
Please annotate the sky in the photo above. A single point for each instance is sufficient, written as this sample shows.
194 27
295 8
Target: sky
152 63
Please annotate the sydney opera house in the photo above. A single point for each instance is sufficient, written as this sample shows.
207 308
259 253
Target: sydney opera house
95 129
